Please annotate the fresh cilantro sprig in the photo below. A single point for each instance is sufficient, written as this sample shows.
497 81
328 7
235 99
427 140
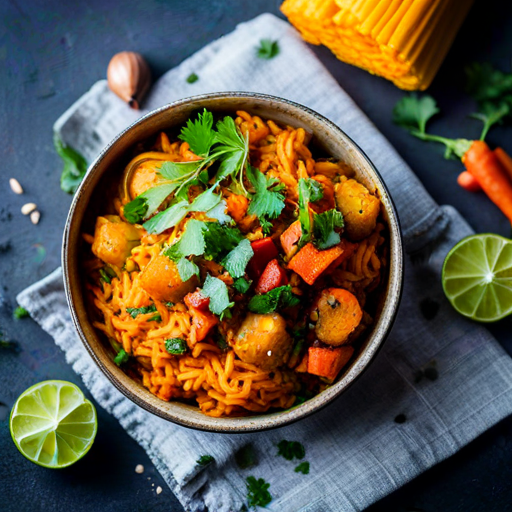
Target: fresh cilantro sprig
75 166
237 259
278 298
258 494
291 450
267 202
303 468
413 114
219 295
134 312
176 346
324 228
246 457
267 49
20 313
242 285
121 358
204 460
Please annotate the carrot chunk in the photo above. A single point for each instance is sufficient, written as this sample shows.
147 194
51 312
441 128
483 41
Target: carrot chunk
309 262
273 276
290 237
327 362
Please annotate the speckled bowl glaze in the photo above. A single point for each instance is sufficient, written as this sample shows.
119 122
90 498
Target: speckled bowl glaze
109 165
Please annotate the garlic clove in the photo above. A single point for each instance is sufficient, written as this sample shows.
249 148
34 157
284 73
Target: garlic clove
129 77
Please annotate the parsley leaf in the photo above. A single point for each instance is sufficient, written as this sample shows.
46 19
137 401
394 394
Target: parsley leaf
242 285
278 298
484 82
490 115
258 494
413 113
204 460
324 228
237 259
291 450
20 313
75 166
303 468
192 78
191 242
176 346
267 49
134 312
121 358
199 133
218 293
268 201
245 457
187 269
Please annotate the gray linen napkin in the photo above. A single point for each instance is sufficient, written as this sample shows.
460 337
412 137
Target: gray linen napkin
357 452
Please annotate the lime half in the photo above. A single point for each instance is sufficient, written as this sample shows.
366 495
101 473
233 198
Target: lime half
53 424
477 277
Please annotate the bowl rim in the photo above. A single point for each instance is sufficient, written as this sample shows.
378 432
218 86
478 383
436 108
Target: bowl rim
296 413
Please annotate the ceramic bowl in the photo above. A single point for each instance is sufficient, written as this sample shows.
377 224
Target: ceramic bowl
108 167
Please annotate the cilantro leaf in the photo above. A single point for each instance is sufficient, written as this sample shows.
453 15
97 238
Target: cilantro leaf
268 200
134 312
135 210
484 82
291 450
305 218
176 346
192 78
191 242
75 166
218 293
199 133
121 358
168 218
204 460
316 191
413 113
491 114
324 228
258 494
219 213
267 49
242 285
278 298
220 240
187 269
20 313
245 457
303 468
205 201
174 171
237 259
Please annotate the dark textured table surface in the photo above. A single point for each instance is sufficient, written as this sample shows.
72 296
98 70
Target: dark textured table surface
51 52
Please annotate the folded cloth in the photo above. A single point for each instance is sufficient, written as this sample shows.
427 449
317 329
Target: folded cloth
439 381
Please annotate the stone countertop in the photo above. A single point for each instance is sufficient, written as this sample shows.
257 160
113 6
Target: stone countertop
49 56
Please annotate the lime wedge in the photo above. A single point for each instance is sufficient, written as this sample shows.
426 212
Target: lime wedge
53 424
477 277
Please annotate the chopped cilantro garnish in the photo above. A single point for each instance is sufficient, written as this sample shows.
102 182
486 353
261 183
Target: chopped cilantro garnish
176 346
218 293
135 211
303 468
187 269
324 226
291 450
75 166
121 358
221 341
278 298
199 133
258 494
169 304
237 259
220 240
20 313
316 191
204 460
192 78
105 276
134 312
242 285
267 49
191 242
245 457
304 213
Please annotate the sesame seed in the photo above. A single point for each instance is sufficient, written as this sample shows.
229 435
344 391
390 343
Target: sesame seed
159 490
139 468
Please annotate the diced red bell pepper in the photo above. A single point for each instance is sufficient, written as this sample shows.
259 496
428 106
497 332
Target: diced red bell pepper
197 300
273 276
264 251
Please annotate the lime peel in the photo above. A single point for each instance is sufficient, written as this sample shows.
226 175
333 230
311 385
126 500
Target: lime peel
52 424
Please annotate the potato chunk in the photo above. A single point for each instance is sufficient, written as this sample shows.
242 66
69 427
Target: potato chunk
161 279
262 340
360 208
143 178
114 239
339 313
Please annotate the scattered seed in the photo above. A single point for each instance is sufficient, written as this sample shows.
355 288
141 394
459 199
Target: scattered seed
28 208
139 468
159 490
35 216
15 186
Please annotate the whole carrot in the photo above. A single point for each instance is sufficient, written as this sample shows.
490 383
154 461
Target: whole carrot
505 160
468 182
483 164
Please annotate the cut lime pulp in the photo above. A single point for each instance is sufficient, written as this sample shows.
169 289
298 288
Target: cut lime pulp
477 277
53 424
